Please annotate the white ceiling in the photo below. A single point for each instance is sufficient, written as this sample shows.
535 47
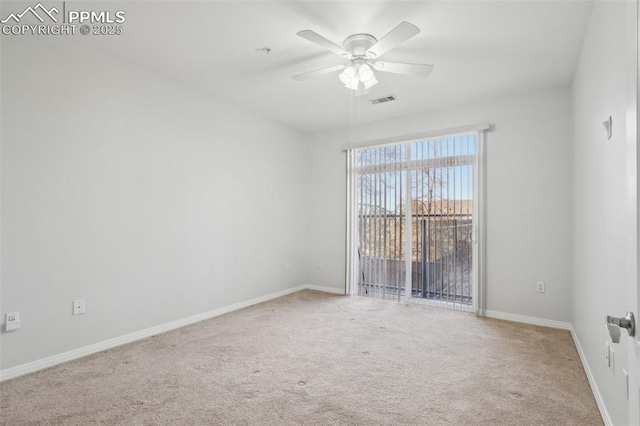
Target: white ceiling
480 49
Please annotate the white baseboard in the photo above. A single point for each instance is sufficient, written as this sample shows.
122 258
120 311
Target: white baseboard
324 289
41 364
528 320
592 381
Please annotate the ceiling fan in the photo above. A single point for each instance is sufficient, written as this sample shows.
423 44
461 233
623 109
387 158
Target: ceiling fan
362 50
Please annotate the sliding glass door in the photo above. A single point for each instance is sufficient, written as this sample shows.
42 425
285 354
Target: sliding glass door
415 221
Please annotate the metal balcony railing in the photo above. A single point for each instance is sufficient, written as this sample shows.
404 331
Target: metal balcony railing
441 258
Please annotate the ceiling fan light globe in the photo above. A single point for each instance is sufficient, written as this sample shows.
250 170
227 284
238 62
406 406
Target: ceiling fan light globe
367 76
365 72
353 85
348 75
370 83
345 79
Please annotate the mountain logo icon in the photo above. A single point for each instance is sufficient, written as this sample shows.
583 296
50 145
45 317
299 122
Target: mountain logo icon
38 11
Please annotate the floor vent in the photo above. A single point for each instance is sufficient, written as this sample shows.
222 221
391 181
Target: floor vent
383 99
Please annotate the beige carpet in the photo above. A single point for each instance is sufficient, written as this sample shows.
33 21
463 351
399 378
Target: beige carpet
313 359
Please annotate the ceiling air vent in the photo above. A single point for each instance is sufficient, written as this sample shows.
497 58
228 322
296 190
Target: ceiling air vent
383 99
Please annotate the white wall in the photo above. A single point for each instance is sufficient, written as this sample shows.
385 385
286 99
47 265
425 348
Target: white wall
151 201
528 197
605 196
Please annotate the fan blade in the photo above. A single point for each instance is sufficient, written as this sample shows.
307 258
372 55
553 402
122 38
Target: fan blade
321 41
403 32
420 70
306 75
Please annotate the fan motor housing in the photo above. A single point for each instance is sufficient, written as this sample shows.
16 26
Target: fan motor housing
358 44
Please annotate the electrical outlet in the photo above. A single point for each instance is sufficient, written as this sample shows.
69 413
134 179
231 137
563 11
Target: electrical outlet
12 321
78 307
607 353
287 266
320 264
540 286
